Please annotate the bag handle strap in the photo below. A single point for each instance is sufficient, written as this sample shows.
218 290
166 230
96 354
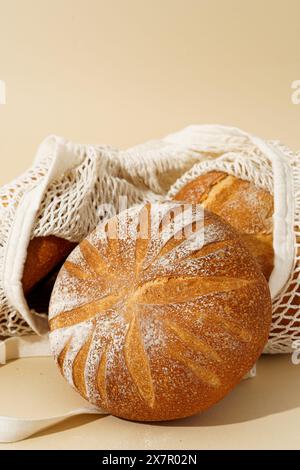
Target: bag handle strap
14 429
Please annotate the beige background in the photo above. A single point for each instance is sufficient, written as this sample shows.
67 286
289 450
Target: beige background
260 413
121 72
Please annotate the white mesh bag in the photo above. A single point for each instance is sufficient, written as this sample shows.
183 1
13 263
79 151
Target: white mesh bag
67 192
275 168
71 188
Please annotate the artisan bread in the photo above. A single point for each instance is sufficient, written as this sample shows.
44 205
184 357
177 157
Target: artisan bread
43 255
159 313
246 207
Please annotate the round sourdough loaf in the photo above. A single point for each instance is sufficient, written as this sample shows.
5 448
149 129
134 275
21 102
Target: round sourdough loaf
159 313
248 208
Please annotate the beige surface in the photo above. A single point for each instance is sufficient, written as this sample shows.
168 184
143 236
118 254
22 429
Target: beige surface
260 413
123 71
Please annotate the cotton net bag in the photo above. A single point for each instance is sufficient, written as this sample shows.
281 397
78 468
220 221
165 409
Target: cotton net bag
69 190
276 169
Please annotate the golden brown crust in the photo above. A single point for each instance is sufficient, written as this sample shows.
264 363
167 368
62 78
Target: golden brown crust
247 208
159 328
43 255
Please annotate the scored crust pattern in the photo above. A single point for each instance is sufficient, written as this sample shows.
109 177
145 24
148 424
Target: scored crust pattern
161 320
247 208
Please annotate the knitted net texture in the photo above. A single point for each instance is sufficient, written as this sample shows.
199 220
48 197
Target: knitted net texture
85 194
250 164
